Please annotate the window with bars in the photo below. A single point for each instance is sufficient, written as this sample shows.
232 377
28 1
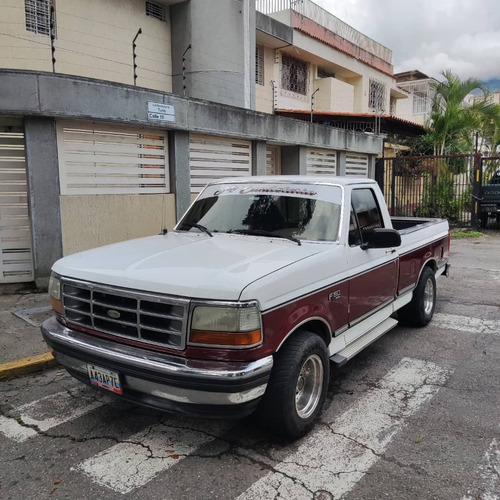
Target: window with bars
376 100
259 65
38 16
155 10
294 74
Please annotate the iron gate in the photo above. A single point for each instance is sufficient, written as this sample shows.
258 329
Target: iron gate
489 192
429 186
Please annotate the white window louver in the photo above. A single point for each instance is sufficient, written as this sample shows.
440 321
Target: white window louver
321 162
155 10
356 165
100 159
212 158
273 160
16 261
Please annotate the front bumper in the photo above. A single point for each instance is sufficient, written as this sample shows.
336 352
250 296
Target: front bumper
163 381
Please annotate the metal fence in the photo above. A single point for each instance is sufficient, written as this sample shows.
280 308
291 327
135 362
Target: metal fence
429 186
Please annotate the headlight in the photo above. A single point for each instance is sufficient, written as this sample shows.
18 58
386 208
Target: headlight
55 294
223 326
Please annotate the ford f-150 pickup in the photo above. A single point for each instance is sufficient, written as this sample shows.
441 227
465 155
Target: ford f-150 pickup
262 283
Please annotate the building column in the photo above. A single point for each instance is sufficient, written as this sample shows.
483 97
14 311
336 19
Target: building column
294 160
43 184
341 162
180 182
259 157
371 166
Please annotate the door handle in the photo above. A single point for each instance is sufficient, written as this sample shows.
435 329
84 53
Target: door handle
391 250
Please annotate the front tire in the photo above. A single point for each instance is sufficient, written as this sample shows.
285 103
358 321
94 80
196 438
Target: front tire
421 308
297 388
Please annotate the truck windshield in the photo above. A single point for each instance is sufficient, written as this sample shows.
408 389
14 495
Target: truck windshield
283 216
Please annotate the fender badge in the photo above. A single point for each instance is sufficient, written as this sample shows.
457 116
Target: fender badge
334 296
113 314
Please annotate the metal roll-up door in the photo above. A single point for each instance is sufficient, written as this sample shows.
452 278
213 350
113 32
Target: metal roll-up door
16 264
321 162
106 159
273 161
356 165
212 158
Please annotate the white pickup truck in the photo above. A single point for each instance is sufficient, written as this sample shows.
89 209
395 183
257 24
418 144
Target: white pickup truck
262 283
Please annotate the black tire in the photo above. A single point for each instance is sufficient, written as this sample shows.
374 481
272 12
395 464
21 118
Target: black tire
421 308
297 388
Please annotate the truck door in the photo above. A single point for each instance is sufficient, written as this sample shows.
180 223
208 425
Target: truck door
373 272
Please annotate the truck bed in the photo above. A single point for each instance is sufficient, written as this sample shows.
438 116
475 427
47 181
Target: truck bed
406 225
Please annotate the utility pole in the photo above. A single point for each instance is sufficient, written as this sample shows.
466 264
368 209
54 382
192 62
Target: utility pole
312 103
134 45
184 86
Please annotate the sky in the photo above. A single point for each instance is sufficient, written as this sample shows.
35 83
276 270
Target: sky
431 35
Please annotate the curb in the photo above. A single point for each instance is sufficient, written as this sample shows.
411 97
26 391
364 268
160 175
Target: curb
27 365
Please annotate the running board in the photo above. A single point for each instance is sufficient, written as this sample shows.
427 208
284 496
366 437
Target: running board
365 340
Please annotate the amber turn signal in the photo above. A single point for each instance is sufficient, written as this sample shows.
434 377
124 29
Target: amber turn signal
56 305
225 339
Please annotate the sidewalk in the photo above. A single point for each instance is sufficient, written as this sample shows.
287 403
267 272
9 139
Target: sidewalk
22 349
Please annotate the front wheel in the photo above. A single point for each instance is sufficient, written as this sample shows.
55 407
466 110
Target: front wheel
297 388
421 308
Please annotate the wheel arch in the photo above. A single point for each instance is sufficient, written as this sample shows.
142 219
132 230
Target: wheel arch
316 325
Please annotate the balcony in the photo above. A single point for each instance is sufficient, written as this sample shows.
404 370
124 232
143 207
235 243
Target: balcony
312 20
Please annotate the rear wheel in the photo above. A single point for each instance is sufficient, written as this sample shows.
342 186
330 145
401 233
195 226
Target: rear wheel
297 387
421 308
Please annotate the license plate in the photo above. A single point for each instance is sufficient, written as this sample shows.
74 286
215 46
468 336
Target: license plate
106 379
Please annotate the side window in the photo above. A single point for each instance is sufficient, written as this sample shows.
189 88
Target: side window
366 215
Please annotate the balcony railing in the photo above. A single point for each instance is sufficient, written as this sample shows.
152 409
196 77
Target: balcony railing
312 11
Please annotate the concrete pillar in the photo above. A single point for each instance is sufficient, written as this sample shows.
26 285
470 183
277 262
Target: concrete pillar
294 160
44 203
341 162
371 166
179 170
259 151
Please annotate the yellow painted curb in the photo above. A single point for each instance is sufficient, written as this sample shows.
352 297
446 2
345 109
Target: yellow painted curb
27 365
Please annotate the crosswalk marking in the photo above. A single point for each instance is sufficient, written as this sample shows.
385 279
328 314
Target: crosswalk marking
337 455
489 471
48 412
465 323
133 463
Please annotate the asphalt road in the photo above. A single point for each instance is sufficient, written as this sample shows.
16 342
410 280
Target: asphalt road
415 416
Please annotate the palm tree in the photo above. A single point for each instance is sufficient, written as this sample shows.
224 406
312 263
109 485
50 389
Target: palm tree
452 124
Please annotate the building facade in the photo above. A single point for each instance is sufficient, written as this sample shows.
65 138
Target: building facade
114 114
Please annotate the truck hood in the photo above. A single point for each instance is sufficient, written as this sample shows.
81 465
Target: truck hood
186 264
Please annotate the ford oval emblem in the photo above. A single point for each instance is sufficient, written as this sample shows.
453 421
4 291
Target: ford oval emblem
113 314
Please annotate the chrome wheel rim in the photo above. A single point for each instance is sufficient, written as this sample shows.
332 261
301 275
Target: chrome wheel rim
309 386
428 297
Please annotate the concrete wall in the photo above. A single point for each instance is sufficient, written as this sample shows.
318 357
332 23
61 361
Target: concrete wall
264 93
94 39
220 65
333 95
96 220
28 93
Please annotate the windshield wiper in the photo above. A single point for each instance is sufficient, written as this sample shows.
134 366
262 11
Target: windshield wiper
198 226
261 232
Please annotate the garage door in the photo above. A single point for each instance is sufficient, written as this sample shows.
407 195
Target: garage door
106 159
321 162
356 165
16 261
212 158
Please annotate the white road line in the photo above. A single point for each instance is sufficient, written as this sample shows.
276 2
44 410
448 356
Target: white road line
48 412
133 463
489 471
336 456
465 323
12 429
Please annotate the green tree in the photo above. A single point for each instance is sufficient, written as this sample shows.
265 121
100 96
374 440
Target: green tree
452 124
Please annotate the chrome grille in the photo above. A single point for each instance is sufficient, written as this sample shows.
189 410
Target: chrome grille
150 318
